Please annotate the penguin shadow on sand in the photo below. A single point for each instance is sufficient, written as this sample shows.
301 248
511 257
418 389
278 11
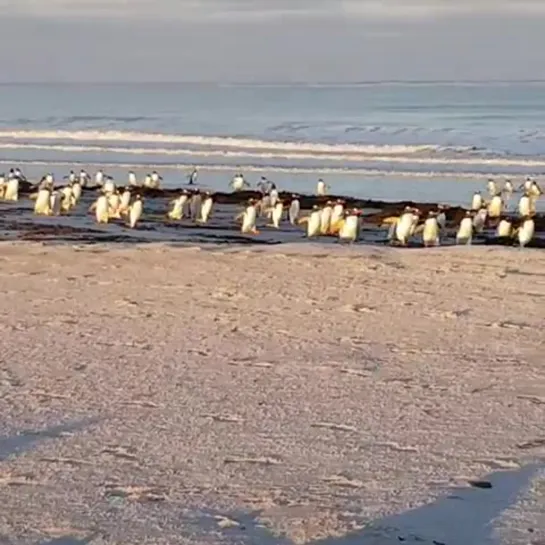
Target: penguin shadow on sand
465 516
25 440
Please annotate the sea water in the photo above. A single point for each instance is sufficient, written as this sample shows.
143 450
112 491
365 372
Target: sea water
392 141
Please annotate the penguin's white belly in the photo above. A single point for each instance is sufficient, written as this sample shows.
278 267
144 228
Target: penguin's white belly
109 187
42 204
135 213
177 210
273 198
125 201
248 219
294 211
325 222
113 203
277 215
526 232
504 229
238 183
465 231
524 206
495 207
314 223
477 202
320 188
337 214
76 192
206 209
350 228
55 203
430 235
404 227
12 190
102 210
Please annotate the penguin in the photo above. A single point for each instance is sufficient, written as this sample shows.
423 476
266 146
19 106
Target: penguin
504 229
479 219
492 188
441 217
534 190
321 188
193 176
132 178
477 201
295 208
125 202
11 191
71 177
527 184
405 226
101 209
277 213
66 198
524 206
273 197
135 211
76 191
155 179
238 183
114 204
495 206
249 217
109 185
178 207
99 178
83 178
325 221
336 216
508 188
195 205
206 208
350 229
19 174
430 234
147 180
465 230
314 222
55 203
42 205
526 231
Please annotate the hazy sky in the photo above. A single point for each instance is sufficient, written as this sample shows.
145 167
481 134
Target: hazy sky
271 40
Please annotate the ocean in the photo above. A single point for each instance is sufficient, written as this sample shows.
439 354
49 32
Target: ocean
392 141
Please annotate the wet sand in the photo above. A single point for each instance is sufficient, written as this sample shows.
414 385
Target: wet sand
302 393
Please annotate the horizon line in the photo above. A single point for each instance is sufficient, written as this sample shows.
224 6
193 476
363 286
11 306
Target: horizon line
280 82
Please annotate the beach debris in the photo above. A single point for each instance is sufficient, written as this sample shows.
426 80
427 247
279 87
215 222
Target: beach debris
226 522
120 451
67 461
355 372
23 479
500 464
396 446
141 403
262 460
534 443
223 418
480 484
332 426
136 493
537 400
343 481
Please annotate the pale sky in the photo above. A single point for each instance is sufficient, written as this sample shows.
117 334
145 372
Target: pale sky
271 40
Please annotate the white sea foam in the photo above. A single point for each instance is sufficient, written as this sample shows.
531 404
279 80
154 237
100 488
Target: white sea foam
217 142
277 153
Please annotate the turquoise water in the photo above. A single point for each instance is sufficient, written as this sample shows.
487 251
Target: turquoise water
393 140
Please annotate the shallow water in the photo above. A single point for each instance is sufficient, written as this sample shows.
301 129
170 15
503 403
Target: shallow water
463 517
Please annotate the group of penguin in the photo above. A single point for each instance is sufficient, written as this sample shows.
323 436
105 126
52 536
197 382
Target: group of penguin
408 223
331 218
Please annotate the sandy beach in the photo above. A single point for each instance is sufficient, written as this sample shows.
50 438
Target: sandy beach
288 394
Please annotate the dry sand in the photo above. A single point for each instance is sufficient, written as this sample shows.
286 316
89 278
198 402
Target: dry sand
322 388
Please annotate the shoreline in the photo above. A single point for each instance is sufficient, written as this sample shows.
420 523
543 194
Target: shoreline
319 390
